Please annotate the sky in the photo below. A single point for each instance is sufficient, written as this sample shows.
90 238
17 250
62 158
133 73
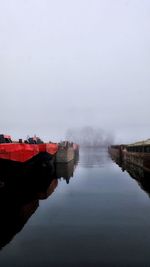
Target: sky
75 63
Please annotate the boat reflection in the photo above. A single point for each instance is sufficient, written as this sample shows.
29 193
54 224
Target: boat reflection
137 173
65 170
20 196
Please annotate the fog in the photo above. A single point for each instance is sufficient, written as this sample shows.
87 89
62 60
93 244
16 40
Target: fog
67 64
90 137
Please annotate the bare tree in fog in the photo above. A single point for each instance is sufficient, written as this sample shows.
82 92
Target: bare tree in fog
89 137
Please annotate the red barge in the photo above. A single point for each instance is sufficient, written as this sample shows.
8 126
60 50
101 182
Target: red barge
32 150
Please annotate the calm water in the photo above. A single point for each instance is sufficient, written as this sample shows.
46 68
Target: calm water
98 217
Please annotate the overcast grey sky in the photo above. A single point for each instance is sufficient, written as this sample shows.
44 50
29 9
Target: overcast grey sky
68 63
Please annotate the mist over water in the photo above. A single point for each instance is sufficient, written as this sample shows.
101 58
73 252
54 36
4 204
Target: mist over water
90 137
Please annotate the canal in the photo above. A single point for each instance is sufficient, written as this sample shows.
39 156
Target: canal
98 217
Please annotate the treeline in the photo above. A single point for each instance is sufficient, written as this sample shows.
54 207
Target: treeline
89 137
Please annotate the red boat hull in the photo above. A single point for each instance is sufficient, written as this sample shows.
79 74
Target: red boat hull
24 152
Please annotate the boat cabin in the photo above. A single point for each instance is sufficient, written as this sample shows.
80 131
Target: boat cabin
139 147
5 138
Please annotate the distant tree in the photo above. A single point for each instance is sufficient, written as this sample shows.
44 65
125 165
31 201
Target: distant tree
89 136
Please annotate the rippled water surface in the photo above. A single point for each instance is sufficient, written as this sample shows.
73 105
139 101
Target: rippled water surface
98 217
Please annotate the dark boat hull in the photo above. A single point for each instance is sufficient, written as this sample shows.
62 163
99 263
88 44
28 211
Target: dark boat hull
40 158
39 167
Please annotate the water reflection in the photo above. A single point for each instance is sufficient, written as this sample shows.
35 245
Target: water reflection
101 219
93 157
65 170
137 173
20 195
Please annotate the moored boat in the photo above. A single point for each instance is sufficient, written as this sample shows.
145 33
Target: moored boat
116 151
65 153
32 150
137 153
